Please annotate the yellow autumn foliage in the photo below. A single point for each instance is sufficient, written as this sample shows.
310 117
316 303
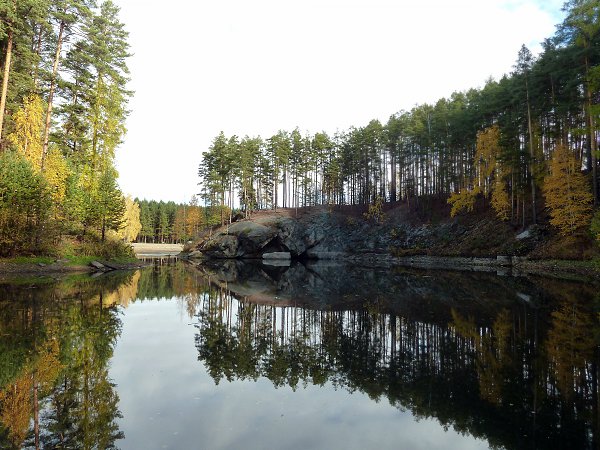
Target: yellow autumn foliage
131 221
568 195
29 126
570 344
125 293
375 211
463 201
500 199
16 398
15 408
492 351
486 155
56 173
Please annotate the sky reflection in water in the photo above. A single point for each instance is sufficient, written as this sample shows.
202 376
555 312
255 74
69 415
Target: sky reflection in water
169 401
249 356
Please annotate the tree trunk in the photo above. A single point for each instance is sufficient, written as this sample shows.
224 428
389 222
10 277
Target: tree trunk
51 93
531 155
5 75
592 146
38 51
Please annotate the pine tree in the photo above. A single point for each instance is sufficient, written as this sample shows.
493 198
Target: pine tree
110 203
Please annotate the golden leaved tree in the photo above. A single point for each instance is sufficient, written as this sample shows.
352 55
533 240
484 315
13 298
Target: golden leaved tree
463 200
570 344
56 173
17 399
29 125
131 221
489 177
500 199
486 157
568 195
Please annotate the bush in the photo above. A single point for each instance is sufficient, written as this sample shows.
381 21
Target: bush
109 249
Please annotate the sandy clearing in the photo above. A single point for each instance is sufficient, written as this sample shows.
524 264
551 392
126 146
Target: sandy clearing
142 249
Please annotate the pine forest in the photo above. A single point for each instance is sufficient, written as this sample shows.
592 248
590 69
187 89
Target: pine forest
63 107
511 143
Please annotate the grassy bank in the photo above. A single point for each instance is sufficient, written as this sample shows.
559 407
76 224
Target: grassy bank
71 255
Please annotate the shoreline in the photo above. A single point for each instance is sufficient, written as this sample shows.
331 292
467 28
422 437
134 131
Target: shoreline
49 267
502 265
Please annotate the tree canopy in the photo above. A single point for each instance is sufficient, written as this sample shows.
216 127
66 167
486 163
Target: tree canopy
496 142
62 113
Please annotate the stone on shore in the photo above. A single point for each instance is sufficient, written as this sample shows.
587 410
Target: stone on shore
277 255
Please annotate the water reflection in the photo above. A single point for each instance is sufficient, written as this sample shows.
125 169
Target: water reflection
56 341
512 361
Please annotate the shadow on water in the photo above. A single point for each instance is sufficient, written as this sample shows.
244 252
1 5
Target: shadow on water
510 360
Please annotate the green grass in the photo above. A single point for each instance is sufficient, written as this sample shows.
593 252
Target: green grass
30 260
70 260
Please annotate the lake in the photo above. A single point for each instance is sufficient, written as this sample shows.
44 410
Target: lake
239 355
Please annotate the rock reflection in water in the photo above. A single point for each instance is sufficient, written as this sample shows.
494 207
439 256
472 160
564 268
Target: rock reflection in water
510 360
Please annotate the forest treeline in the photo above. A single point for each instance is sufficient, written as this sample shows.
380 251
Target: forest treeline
170 222
524 142
63 106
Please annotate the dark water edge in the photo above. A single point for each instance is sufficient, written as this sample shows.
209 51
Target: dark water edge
511 361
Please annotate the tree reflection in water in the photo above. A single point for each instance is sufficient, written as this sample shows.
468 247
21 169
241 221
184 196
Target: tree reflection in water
55 389
519 370
509 360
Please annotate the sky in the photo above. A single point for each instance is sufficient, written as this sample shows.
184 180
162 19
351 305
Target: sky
255 67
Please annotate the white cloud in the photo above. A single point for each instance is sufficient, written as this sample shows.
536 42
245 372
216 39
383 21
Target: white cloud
256 67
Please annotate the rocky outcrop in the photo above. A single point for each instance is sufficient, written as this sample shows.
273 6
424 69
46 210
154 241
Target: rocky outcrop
330 234
272 237
323 234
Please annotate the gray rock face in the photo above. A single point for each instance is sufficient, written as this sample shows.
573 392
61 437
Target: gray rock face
277 255
220 246
327 235
320 236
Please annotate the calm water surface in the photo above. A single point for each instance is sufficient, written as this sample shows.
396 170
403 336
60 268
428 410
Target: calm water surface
320 356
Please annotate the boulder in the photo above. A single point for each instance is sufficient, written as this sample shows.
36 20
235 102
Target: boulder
252 238
503 260
277 255
220 246
195 254
277 262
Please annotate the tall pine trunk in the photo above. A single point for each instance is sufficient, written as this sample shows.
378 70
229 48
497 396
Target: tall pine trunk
5 76
592 146
531 156
51 93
